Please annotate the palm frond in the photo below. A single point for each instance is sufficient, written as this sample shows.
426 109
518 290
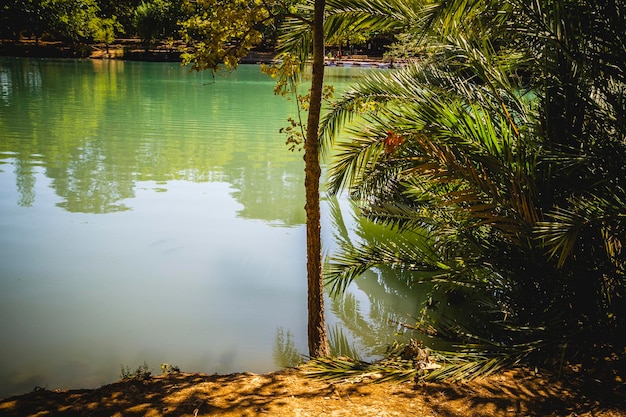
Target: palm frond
374 15
355 158
296 38
559 235
411 251
510 166
342 15
418 364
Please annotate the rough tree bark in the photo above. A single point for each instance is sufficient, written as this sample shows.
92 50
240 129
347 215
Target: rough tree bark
318 339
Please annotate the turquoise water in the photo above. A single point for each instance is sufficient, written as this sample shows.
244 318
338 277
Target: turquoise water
148 214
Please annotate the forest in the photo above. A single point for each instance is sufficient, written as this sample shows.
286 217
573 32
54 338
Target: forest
89 21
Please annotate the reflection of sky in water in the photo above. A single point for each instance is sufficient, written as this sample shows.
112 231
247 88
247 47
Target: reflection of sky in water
179 278
136 226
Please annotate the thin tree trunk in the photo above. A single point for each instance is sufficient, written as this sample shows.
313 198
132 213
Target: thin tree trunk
318 340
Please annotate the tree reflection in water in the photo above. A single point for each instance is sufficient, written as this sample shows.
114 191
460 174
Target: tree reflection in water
371 315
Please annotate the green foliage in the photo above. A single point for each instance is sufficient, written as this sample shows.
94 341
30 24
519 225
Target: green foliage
122 11
142 372
166 368
496 163
156 19
402 363
221 33
67 20
287 70
64 19
104 30
80 21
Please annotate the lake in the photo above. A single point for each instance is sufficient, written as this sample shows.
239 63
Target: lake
153 215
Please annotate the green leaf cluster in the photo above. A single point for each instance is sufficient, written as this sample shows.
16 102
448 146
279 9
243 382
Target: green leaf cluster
157 19
65 20
221 32
494 162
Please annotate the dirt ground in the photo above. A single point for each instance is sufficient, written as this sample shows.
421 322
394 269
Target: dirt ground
289 393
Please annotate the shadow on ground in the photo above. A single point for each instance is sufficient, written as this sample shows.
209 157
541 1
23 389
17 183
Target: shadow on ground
288 393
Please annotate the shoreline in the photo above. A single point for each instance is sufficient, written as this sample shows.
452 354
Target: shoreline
133 50
121 49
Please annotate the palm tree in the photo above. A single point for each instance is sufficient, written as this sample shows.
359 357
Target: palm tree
497 162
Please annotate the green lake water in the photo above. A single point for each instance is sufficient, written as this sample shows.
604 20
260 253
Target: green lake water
149 214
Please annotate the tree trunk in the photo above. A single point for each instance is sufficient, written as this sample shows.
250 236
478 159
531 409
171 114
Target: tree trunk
318 340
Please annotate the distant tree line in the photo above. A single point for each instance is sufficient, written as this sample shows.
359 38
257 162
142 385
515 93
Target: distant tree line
77 22
86 21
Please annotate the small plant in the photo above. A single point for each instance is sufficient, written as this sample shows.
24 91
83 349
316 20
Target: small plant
166 368
142 372
288 76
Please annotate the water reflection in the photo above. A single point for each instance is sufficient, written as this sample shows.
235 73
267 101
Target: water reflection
373 312
98 127
376 305
150 214
366 320
286 353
